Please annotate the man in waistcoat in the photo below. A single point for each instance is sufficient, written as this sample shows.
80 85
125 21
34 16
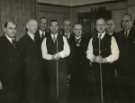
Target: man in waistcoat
55 49
103 52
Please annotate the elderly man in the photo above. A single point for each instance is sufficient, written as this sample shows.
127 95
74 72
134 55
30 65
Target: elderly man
11 67
78 63
126 64
103 51
126 41
32 62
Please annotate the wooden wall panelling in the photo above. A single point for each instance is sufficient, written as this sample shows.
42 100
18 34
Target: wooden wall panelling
17 10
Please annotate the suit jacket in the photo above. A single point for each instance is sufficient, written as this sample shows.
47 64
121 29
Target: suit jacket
33 68
40 39
127 50
78 62
62 33
11 72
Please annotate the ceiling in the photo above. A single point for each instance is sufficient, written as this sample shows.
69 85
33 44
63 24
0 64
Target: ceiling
72 2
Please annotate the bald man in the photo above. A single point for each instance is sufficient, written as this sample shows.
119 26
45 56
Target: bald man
32 60
126 41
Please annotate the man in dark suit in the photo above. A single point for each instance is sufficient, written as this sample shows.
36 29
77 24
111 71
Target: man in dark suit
11 67
127 45
126 42
55 50
67 32
33 64
42 31
67 29
78 63
111 26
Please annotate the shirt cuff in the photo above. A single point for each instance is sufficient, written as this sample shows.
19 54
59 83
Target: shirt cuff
61 54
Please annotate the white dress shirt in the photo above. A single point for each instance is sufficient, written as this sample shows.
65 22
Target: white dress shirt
32 36
41 33
9 39
54 37
67 35
114 56
101 35
64 53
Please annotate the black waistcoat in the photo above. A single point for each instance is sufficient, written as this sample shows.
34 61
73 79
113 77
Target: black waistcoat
105 46
52 47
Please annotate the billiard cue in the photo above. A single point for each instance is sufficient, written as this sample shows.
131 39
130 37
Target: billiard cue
101 76
57 72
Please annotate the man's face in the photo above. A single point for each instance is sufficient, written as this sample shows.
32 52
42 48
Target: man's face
67 26
100 25
54 27
43 24
77 30
10 30
32 26
110 26
126 22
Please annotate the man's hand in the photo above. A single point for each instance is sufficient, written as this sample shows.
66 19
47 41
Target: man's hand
99 59
1 85
105 61
56 56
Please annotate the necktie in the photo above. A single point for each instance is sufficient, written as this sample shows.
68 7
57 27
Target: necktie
54 38
99 36
43 34
126 34
78 42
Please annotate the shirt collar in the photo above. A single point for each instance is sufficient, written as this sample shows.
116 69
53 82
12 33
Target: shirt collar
9 39
67 35
32 36
101 35
79 37
52 35
42 33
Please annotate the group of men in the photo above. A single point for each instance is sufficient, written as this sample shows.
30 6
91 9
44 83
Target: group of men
54 65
